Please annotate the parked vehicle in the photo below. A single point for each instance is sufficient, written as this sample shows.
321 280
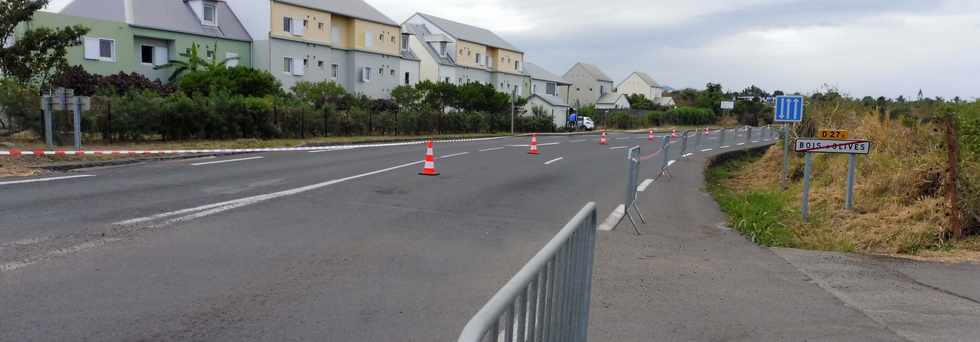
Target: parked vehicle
586 123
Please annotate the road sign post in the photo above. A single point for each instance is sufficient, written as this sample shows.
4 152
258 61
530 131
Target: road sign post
850 147
785 177
807 169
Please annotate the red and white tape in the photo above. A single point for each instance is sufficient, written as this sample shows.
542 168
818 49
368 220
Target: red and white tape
13 152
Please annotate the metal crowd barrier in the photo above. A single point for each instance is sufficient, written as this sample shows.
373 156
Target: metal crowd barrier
548 299
632 181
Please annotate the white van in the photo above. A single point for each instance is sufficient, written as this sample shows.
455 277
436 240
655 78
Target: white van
587 123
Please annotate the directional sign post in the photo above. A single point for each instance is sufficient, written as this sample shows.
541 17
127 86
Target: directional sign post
789 109
850 147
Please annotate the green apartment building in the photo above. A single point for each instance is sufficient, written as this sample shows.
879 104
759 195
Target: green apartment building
137 35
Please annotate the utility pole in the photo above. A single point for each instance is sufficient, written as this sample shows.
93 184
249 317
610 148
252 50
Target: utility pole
513 94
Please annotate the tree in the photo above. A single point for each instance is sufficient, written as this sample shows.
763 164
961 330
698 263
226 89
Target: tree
194 62
39 52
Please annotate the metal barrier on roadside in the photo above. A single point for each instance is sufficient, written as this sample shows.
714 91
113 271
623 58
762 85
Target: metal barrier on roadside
548 299
665 166
721 138
632 181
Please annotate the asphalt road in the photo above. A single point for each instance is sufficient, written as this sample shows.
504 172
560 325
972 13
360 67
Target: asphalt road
347 245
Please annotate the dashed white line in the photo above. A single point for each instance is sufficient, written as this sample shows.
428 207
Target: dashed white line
643 186
740 144
44 179
618 147
453 155
492 149
614 218
755 141
227 161
707 150
687 155
726 146
627 138
671 162
553 160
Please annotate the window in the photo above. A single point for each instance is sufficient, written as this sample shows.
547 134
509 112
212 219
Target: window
146 54
319 64
209 15
306 23
517 65
405 42
210 54
319 26
392 72
287 24
334 69
478 58
366 75
381 72
101 49
408 78
232 59
551 89
368 40
306 62
442 50
381 37
447 79
287 65
392 39
602 90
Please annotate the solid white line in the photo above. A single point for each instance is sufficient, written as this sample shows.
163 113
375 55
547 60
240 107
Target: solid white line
614 218
707 149
618 147
553 160
453 155
643 186
214 208
330 149
227 161
44 179
492 149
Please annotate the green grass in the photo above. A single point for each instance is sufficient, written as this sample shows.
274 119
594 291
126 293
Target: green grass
759 215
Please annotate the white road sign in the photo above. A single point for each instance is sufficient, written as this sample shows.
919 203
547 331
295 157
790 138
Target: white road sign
728 105
833 146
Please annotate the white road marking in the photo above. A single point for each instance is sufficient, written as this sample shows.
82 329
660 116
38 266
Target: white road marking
330 149
453 155
578 141
618 147
740 144
643 186
707 149
227 161
726 146
214 208
527 145
627 138
10 266
755 141
44 179
671 162
687 155
553 160
614 218
492 149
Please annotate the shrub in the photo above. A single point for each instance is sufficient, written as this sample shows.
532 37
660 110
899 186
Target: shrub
21 105
240 81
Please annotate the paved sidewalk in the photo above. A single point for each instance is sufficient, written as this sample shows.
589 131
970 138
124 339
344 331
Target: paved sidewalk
690 279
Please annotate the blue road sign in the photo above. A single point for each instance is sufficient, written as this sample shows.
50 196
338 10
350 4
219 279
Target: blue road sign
789 109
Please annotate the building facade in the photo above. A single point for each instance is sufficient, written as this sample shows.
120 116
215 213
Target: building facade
638 83
547 90
347 42
457 53
589 84
130 35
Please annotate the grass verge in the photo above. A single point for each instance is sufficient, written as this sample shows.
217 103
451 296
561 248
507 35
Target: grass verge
758 215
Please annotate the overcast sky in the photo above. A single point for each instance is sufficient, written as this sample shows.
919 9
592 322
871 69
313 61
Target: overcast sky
862 47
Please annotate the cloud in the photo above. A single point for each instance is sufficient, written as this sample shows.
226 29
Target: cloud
874 47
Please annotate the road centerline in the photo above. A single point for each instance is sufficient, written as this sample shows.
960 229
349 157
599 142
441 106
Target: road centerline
44 179
226 161
553 160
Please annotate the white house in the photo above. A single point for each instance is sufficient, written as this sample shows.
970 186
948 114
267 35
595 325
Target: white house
639 83
613 101
589 84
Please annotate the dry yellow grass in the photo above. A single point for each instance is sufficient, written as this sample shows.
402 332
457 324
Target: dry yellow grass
899 204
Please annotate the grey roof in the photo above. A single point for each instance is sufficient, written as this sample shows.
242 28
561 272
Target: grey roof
351 8
539 73
594 70
408 54
552 100
168 15
646 78
469 33
610 98
422 32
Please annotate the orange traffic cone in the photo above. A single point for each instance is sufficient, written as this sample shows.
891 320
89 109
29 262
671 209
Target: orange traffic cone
534 144
430 162
650 135
602 138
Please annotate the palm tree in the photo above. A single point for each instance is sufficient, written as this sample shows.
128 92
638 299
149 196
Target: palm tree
194 62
